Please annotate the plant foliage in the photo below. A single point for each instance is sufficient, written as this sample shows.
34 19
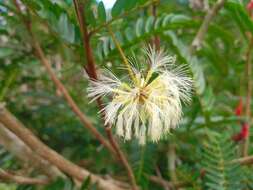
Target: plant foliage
203 139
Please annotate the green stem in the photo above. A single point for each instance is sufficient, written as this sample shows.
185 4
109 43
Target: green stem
140 169
125 61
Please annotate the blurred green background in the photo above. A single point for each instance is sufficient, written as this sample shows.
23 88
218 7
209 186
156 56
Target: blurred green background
198 153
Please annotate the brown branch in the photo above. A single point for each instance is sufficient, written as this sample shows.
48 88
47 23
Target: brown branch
249 93
20 150
66 166
159 175
41 56
51 155
197 42
248 160
85 121
91 71
9 177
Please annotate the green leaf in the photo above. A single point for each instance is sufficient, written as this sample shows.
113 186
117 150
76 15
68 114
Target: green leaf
118 7
33 4
139 27
61 184
179 18
101 12
48 8
58 184
218 151
208 98
106 46
198 75
129 34
66 29
91 20
158 23
130 4
26 187
146 28
240 15
5 52
86 183
10 79
167 19
149 24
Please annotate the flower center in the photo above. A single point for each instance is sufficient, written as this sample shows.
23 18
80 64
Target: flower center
142 95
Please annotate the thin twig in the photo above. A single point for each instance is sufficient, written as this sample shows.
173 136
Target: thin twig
9 177
41 56
164 184
91 71
197 42
171 185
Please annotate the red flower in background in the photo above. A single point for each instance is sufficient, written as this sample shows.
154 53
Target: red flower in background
242 134
239 108
250 5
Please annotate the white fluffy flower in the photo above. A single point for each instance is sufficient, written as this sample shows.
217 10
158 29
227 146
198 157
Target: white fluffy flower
148 105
